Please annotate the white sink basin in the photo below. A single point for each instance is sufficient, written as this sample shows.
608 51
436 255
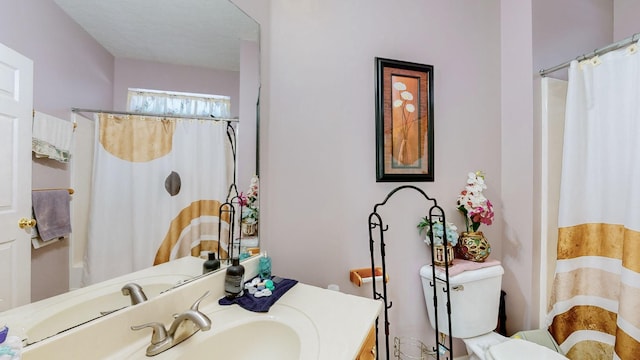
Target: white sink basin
283 333
258 339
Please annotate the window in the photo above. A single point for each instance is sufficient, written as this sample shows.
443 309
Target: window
178 103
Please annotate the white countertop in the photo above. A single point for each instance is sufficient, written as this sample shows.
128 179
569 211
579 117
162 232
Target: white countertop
342 321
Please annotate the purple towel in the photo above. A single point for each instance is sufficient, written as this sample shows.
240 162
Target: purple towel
261 304
52 212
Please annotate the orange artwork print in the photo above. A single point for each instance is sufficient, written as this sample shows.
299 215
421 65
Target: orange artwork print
404 121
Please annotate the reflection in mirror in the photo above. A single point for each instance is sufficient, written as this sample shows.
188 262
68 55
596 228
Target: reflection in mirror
42 319
225 57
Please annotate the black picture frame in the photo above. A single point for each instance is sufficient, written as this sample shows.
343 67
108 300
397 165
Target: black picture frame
404 121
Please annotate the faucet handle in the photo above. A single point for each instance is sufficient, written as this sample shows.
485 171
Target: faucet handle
159 332
196 304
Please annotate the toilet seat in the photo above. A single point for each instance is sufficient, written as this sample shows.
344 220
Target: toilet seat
477 346
521 350
493 346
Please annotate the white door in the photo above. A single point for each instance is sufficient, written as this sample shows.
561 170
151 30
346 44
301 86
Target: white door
16 106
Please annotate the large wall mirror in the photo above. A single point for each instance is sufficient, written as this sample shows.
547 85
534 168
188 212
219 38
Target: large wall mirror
211 35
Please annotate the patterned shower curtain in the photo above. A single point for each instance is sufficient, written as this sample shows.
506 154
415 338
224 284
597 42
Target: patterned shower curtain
595 304
157 187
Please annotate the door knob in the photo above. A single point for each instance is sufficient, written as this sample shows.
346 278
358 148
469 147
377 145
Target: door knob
25 223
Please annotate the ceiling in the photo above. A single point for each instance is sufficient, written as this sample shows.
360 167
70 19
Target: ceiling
203 33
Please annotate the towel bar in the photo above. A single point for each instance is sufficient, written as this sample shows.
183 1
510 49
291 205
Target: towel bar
71 191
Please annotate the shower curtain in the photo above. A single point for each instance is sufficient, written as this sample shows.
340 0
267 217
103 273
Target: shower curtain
157 187
594 308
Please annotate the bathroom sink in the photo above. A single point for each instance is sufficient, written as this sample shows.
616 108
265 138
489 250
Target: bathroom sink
85 307
283 333
259 339
45 318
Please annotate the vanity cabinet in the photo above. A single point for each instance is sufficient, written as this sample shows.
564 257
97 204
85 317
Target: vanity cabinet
368 349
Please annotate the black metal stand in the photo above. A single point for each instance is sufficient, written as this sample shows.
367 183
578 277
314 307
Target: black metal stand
375 222
229 206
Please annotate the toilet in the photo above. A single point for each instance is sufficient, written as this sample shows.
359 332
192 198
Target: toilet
475 299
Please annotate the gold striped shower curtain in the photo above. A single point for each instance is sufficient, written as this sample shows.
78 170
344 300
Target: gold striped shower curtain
594 310
157 187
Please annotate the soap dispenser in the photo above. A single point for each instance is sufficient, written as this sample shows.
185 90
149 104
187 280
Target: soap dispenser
211 264
234 280
264 267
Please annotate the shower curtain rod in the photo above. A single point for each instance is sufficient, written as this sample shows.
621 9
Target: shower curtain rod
600 51
78 110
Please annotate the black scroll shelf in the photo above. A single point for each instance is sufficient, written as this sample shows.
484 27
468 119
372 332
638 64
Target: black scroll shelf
375 223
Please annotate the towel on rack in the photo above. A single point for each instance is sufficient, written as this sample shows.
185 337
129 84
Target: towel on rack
51 137
37 242
459 266
52 212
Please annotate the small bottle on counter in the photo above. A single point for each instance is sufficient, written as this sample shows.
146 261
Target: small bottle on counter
211 264
264 267
234 280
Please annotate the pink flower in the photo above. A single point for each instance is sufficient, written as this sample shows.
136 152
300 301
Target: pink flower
242 199
475 208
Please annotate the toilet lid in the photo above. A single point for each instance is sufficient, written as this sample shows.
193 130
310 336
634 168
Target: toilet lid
522 350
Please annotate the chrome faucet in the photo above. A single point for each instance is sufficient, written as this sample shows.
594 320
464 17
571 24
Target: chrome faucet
135 291
183 326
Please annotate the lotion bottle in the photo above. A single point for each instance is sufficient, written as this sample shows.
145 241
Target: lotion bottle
211 264
234 280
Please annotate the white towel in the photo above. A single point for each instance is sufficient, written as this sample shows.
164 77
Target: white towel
51 137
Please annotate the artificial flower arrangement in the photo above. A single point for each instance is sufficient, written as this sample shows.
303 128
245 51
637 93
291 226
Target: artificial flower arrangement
248 201
438 232
473 205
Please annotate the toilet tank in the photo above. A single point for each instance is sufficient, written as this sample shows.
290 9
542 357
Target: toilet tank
475 300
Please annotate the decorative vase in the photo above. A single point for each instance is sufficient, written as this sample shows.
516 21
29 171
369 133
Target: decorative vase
438 254
249 229
473 246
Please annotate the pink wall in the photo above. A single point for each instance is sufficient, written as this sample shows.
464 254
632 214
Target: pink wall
318 160
567 29
318 141
260 12
70 70
625 13
247 131
517 152
130 73
70 67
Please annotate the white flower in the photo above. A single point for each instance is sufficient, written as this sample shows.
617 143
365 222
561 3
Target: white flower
406 95
397 103
400 86
476 180
475 207
410 108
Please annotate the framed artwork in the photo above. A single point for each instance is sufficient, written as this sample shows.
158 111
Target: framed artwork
404 121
